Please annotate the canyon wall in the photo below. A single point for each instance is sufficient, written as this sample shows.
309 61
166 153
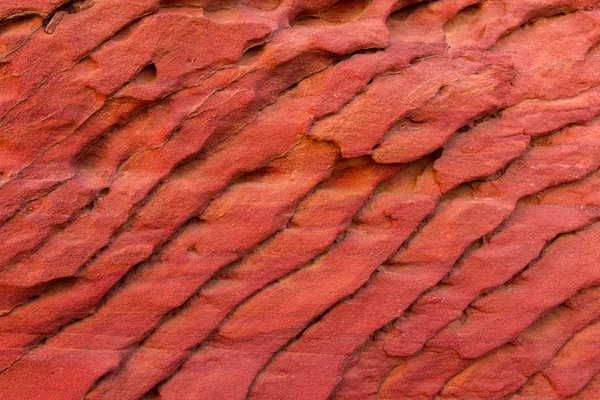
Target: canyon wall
299 199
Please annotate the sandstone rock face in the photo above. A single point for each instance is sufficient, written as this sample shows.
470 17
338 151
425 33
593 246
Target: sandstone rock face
300 199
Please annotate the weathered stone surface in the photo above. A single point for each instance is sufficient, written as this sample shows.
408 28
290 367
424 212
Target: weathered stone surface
300 199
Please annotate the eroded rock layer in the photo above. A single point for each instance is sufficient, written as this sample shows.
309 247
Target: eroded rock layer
300 199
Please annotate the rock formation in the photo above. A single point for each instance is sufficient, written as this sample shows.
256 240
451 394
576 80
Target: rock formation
299 199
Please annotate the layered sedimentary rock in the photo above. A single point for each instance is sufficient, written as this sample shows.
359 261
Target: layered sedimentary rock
299 199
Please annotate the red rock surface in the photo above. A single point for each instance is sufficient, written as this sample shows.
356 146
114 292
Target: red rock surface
300 199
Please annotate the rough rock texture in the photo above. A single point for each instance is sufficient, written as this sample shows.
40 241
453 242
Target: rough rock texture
300 199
